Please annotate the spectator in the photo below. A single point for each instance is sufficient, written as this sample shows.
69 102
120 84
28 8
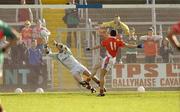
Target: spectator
150 45
35 55
35 62
24 14
165 50
27 33
72 20
36 33
118 25
122 29
18 54
131 52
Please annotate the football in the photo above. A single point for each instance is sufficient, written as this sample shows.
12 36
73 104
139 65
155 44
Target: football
18 91
141 89
39 90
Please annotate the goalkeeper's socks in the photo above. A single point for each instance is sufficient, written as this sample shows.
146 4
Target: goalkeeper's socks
93 90
83 83
88 79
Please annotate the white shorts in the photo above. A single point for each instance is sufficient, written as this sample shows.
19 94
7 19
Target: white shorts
79 69
108 63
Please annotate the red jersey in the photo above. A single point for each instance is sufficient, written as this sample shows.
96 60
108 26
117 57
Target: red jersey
176 28
26 33
112 44
1 34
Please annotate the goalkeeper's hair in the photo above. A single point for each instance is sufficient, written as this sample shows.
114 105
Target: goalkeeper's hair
113 33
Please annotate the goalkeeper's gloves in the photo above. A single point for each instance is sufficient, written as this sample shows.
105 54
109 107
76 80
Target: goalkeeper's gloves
140 46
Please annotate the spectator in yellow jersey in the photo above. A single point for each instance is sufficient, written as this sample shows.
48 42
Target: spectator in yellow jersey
118 25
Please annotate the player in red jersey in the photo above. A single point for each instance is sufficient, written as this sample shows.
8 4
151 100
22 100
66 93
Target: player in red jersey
111 45
172 35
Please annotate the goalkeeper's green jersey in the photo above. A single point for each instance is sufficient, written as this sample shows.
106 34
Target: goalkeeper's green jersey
6 31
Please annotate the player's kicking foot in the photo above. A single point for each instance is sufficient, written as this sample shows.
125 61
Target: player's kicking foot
104 88
101 94
98 83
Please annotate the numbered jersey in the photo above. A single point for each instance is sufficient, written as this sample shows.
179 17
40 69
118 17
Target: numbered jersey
112 44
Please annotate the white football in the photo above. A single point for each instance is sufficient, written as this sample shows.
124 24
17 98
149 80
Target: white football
18 91
141 89
39 90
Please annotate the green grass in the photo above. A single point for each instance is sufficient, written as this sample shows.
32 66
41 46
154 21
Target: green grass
85 102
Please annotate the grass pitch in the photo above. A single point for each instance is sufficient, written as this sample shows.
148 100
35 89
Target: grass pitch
86 102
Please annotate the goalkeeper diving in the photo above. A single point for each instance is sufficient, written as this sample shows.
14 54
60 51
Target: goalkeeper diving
66 57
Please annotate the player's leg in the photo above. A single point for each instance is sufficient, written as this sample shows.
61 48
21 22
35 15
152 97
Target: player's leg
86 72
94 71
94 78
85 84
104 68
90 76
79 79
96 67
1 108
102 75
